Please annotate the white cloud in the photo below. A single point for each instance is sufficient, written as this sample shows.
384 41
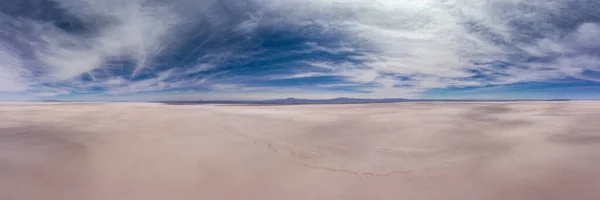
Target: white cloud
200 68
586 36
435 42
12 75
403 46
46 94
225 87
135 30
297 75
153 84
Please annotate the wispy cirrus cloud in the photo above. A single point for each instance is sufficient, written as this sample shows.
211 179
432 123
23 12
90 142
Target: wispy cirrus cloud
435 44
13 78
377 48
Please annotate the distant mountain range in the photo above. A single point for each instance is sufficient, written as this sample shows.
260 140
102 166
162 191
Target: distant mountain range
344 100
53 101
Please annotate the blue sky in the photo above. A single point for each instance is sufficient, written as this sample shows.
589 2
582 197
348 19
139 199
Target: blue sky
151 50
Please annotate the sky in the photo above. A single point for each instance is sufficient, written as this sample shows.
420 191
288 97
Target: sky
169 50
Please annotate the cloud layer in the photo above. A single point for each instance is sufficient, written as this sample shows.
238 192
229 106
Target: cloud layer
366 48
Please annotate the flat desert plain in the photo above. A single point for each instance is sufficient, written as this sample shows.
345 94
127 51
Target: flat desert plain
412 151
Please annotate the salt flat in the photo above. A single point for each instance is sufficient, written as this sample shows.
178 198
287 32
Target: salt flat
416 151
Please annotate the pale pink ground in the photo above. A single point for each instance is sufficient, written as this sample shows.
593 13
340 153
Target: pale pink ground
412 151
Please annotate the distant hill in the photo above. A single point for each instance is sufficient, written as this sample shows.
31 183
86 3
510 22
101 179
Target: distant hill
341 100
344 100
52 101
